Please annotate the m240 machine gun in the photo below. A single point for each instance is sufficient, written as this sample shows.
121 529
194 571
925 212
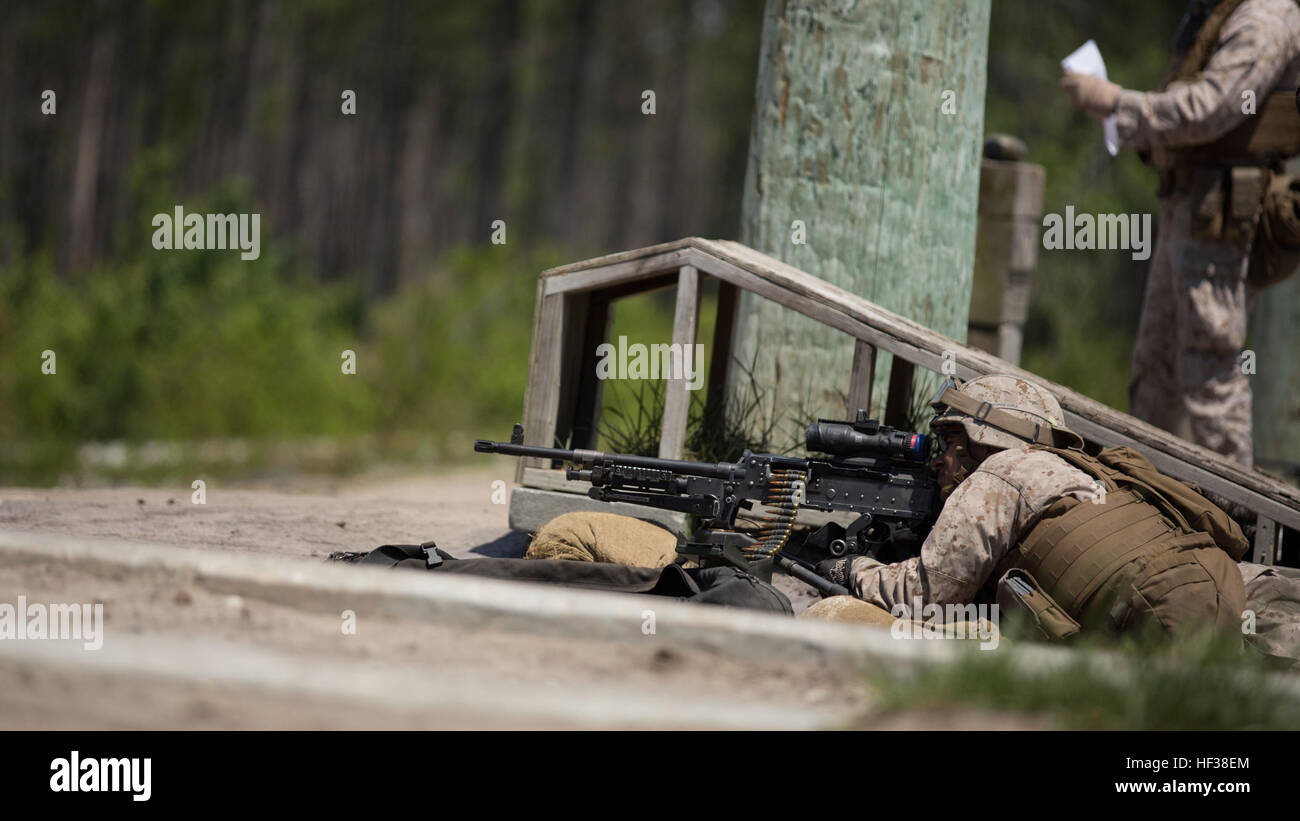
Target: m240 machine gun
876 472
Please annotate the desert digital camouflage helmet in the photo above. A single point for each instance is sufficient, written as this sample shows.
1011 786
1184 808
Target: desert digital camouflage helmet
1001 411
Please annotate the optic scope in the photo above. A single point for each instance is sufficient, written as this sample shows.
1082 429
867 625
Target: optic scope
867 437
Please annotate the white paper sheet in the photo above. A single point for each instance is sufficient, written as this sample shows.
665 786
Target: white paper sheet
1086 59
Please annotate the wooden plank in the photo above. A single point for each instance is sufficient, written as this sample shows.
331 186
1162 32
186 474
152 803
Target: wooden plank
531 507
534 371
619 272
829 314
864 371
551 479
636 287
1011 188
724 329
1265 541
898 402
573 362
1175 466
544 376
885 324
623 256
590 391
677 395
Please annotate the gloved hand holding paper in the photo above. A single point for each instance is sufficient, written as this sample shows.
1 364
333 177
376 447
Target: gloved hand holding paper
1087 60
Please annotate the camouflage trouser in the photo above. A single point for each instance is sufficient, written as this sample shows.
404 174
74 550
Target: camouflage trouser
852 610
1187 364
848 609
1274 599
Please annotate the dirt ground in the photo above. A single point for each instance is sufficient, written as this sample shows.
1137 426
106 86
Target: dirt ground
393 673
163 605
309 519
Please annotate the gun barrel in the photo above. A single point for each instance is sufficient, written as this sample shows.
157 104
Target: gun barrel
719 470
824 586
510 449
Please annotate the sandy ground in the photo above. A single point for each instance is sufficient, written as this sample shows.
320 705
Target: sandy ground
311 519
303 517
164 605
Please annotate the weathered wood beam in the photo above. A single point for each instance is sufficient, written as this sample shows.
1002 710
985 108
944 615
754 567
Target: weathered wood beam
720 356
898 402
572 337
542 399
677 396
860 380
1265 548
616 273
590 392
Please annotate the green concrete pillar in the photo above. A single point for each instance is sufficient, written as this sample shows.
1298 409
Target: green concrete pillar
1274 386
863 170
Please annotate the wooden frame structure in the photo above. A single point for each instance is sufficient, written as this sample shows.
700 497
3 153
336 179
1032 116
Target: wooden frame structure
572 316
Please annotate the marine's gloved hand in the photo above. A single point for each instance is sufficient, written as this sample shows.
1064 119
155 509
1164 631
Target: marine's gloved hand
1091 95
837 570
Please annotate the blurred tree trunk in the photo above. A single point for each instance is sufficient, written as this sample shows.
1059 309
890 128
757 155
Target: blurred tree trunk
467 112
673 123
867 127
498 105
626 125
394 100
571 131
82 223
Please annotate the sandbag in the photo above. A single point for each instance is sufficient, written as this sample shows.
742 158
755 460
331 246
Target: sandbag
604 537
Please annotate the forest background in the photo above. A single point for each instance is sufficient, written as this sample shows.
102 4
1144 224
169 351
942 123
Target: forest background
376 227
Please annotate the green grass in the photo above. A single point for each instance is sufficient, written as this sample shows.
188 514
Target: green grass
1194 684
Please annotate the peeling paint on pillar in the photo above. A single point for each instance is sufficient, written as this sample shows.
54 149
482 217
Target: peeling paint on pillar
1276 400
850 136
1275 406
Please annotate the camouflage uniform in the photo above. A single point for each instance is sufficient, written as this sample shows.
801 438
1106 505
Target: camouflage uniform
1006 506
1274 598
1002 508
980 523
1187 372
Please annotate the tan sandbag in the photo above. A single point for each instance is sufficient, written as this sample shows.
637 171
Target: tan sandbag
603 537
848 609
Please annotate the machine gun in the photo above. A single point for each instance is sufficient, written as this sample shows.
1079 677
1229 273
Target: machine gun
879 473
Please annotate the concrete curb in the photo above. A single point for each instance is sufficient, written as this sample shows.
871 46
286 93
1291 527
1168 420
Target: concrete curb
445 697
489 603
536 609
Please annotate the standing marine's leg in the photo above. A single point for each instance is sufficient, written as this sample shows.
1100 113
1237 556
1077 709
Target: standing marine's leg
1211 315
1154 393
1187 366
